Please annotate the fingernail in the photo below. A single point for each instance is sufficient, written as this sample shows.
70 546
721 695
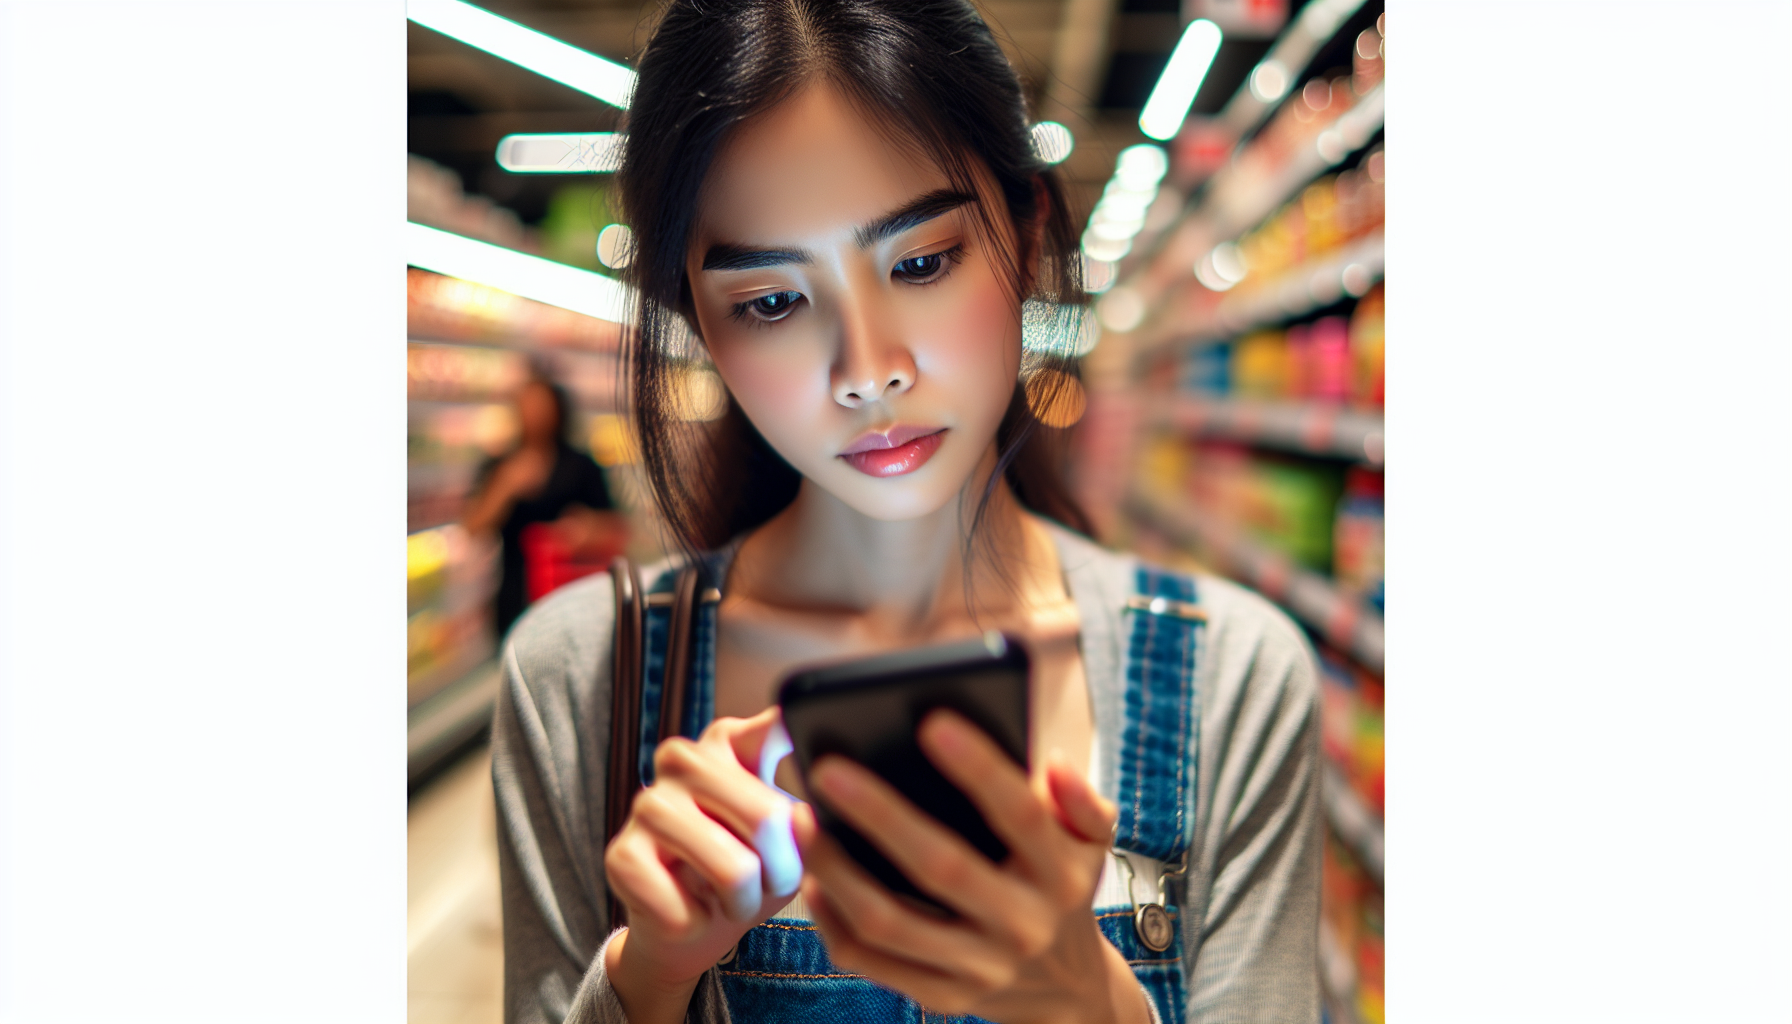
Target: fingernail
776 843
743 902
837 781
948 735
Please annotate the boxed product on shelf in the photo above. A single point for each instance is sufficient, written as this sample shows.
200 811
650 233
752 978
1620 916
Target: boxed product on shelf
1351 725
450 580
1288 504
1368 350
1327 214
1351 915
1260 365
1334 360
1358 537
1206 370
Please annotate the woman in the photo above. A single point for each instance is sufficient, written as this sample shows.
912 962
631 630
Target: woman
835 203
545 480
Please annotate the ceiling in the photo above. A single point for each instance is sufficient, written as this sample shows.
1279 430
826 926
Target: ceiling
1086 63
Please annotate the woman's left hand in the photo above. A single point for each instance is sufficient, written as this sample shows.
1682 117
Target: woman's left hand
1026 946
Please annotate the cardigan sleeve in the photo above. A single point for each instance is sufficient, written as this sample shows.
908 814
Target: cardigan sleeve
1258 830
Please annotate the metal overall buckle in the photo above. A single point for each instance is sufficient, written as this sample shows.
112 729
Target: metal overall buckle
1151 921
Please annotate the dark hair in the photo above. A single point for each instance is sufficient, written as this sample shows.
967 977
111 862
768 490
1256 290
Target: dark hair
933 73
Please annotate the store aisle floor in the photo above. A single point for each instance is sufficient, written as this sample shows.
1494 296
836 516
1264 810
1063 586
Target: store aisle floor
456 953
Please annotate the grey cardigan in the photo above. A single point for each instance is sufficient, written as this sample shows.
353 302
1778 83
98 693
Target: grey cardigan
1251 905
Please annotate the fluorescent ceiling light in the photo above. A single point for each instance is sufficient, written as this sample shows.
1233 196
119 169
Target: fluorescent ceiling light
1175 92
518 273
1141 167
526 48
589 153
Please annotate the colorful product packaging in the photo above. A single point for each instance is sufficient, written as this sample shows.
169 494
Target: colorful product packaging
1358 538
1260 366
1368 350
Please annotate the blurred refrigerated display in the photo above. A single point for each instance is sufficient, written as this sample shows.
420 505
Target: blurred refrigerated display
450 580
470 349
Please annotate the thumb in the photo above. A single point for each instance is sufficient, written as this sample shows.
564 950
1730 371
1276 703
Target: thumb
759 743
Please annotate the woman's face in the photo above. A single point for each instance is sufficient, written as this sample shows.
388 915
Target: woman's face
537 415
852 306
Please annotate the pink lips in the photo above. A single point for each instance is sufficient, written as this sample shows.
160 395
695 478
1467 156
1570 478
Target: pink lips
901 449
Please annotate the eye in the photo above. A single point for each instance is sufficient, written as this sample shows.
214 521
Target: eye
921 268
775 306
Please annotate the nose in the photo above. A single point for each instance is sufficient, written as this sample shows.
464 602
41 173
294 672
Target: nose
873 363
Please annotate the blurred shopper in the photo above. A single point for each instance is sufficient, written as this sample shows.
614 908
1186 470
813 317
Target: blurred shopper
543 480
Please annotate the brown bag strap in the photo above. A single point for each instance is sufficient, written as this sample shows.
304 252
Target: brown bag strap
624 776
627 668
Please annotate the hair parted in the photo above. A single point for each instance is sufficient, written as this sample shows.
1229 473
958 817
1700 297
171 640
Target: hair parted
932 73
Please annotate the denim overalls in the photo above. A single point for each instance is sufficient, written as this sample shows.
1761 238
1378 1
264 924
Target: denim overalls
780 971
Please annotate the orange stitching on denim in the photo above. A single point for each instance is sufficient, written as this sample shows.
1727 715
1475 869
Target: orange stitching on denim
789 927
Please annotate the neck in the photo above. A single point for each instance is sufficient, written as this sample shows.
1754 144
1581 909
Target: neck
911 574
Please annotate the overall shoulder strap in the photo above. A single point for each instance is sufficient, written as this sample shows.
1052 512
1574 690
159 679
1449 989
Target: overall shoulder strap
1158 762
1159 740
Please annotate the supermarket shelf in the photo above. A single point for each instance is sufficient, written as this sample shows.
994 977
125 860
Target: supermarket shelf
1309 427
1313 27
1351 819
1344 623
445 723
1239 198
1337 979
1317 283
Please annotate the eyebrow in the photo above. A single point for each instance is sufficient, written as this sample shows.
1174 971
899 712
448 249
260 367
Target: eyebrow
917 211
727 256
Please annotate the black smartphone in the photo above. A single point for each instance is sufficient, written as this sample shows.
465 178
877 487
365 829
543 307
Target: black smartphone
868 710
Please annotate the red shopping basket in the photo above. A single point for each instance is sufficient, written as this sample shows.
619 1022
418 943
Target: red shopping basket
551 561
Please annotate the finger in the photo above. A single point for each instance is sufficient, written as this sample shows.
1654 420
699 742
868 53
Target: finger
1081 810
923 984
645 884
680 828
746 736
999 788
727 792
882 921
934 857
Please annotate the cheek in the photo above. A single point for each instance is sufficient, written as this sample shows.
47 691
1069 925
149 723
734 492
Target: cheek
973 346
780 384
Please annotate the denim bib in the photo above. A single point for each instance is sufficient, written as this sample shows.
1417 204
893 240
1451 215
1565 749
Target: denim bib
780 970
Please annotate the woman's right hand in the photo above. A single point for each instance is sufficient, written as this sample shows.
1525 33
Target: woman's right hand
706 854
